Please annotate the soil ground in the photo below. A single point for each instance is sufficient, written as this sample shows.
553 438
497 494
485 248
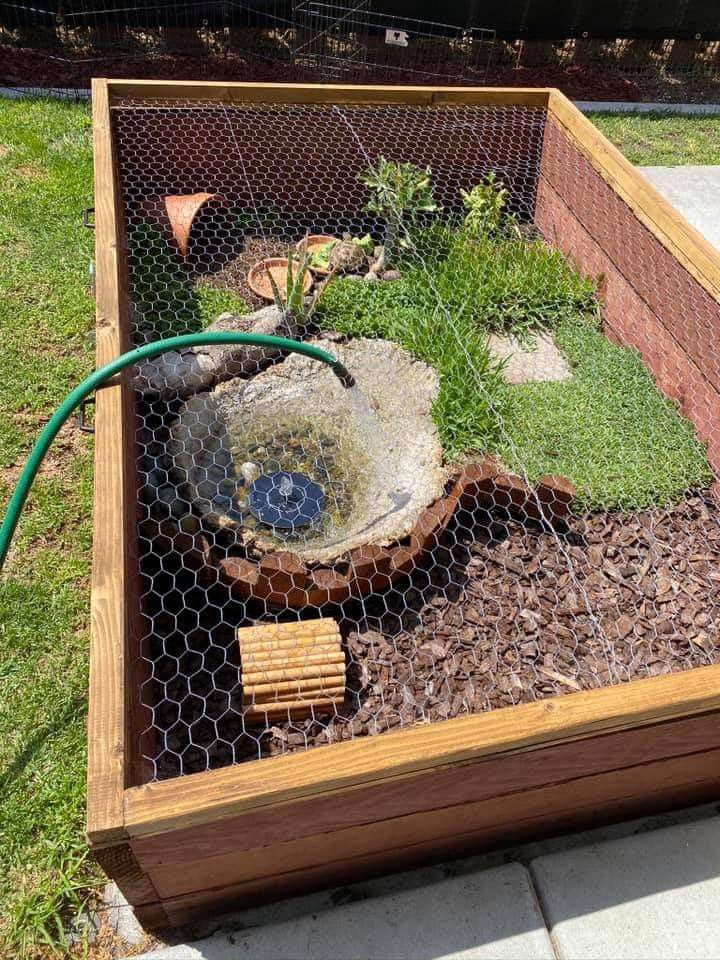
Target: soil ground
20 66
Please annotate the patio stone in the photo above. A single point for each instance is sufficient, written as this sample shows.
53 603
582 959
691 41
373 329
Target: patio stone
541 363
648 897
487 915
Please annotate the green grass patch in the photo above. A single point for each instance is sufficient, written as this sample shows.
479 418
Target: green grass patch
46 319
442 310
662 138
166 300
609 429
394 311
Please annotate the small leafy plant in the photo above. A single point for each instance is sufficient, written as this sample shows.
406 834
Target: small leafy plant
291 299
398 193
320 256
485 205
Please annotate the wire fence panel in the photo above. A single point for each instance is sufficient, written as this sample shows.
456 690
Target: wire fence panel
501 503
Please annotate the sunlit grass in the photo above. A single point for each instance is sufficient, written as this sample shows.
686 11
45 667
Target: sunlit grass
663 138
46 318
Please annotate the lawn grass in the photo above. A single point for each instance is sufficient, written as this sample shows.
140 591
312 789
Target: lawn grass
608 429
46 318
662 138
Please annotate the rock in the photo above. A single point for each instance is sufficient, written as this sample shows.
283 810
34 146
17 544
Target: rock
250 471
347 256
182 373
392 275
383 469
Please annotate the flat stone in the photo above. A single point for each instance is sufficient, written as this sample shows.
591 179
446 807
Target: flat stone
695 191
387 461
541 363
486 915
651 896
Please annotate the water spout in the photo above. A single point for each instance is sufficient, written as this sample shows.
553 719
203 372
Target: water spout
343 374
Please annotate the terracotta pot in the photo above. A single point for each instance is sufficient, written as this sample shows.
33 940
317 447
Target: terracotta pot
259 282
313 242
181 212
175 215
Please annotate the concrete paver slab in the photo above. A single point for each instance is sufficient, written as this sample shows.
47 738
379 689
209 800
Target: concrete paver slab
695 191
649 897
488 915
538 361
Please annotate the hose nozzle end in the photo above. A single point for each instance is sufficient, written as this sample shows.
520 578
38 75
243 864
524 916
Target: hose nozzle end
343 374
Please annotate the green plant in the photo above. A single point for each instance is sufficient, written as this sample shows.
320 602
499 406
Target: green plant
501 283
210 302
320 256
291 299
485 204
398 193
165 300
609 429
470 380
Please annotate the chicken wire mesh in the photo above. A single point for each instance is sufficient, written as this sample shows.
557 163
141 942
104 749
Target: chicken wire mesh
321 560
338 42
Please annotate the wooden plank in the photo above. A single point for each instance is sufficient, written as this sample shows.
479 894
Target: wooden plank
109 600
222 92
216 794
197 906
449 786
279 678
119 862
666 223
452 831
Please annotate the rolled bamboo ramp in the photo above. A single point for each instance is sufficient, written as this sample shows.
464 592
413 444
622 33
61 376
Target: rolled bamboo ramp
290 670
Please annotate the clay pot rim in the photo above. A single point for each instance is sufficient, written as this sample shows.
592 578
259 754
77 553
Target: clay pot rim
259 268
182 210
316 240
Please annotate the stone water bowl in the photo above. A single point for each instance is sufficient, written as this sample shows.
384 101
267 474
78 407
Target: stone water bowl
363 464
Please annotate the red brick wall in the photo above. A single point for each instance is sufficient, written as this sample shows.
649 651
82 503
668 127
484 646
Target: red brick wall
651 301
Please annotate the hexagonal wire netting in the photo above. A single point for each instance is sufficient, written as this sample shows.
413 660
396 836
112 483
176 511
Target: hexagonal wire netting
410 529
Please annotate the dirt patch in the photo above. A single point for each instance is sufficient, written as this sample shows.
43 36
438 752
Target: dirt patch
234 275
28 67
31 171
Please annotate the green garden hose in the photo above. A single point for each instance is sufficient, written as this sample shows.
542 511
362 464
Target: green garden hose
99 377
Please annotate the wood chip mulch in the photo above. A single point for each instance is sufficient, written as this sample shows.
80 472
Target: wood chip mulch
519 614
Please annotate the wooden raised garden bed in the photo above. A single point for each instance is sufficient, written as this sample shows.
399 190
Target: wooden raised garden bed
252 831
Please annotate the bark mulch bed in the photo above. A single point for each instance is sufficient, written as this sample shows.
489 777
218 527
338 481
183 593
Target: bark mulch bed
57 67
504 614
29 67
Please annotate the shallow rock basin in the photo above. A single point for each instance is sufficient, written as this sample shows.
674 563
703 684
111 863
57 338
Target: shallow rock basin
373 448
